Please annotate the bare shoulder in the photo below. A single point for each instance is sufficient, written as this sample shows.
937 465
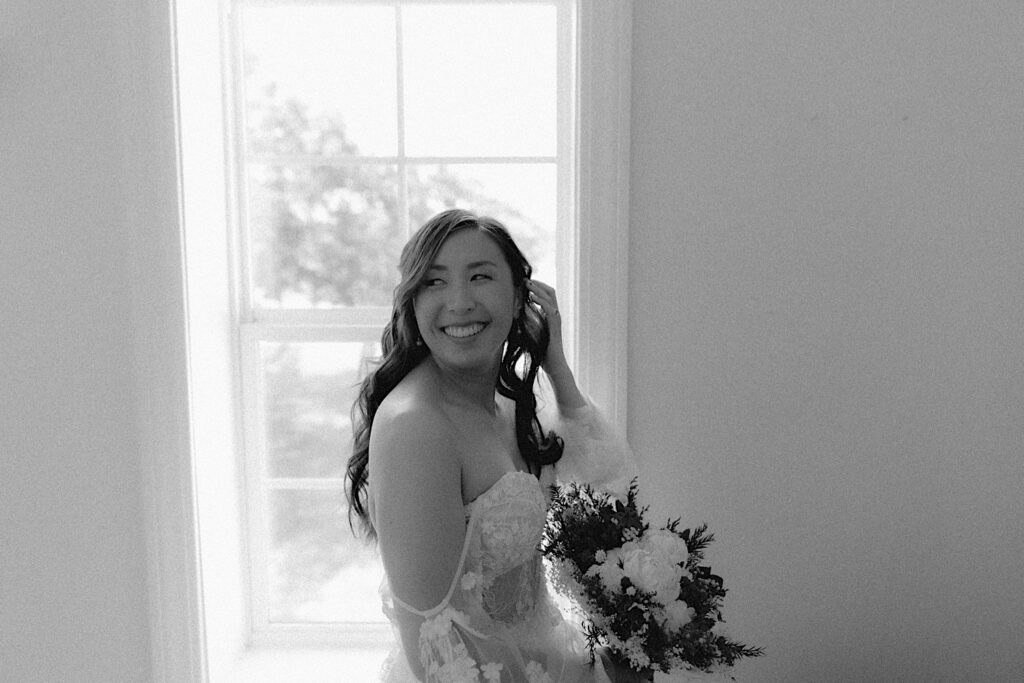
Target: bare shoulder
410 417
415 489
411 442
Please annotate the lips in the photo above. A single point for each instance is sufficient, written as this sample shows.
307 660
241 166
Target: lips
463 331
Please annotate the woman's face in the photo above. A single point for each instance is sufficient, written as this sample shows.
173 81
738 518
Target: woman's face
467 302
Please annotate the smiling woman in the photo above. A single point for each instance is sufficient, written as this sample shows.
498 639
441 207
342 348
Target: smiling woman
461 272
467 303
451 466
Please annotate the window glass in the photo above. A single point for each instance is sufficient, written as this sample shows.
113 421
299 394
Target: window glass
308 389
522 196
357 122
324 235
335 63
480 80
316 571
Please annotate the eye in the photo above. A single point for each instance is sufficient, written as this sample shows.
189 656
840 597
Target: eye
481 276
432 282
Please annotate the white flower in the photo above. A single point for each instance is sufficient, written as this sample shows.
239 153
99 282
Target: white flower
535 673
634 651
453 663
678 614
610 572
627 547
600 556
669 543
438 627
653 572
492 671
470 580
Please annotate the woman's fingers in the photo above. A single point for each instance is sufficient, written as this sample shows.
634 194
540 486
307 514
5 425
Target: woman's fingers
544 296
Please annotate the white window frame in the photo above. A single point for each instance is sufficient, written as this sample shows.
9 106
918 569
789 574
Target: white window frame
184 336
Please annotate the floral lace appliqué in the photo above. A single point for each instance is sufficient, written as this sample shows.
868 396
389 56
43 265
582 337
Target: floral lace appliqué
511 521
535 673
446 657
492 672
470 580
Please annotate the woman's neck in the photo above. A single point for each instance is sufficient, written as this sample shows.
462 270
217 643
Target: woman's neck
467 388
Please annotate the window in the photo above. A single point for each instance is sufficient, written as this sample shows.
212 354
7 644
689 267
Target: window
290 257
353 124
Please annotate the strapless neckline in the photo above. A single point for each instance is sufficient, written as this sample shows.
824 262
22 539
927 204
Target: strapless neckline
500 483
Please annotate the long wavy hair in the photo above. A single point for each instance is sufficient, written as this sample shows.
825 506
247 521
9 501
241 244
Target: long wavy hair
402 350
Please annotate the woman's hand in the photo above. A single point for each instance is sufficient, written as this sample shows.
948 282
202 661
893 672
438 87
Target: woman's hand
542 296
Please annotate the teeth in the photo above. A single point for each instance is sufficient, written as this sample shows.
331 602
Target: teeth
461 331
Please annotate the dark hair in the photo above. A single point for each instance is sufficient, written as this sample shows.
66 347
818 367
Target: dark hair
524 352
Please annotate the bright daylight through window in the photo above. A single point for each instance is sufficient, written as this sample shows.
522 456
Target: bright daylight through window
355 122
345 125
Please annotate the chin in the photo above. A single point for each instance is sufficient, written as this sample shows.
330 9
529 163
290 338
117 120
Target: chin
474 364
468 361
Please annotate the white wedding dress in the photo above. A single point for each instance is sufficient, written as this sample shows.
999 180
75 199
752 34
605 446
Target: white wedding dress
498 622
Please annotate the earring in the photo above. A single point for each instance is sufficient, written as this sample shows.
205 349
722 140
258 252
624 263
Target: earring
419 342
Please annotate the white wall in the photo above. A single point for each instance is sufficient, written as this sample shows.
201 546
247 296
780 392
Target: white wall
72 551
829 195
826 316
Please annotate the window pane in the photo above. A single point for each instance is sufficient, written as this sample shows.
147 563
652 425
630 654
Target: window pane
309 389
522 196
324 236
480 80
318 66
318 572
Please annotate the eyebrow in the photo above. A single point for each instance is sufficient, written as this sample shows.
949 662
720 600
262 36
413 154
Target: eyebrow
470 266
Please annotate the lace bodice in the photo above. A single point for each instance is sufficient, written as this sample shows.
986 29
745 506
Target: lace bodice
507 521
498 621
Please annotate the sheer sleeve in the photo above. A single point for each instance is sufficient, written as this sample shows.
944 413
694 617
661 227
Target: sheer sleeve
595 452
444 645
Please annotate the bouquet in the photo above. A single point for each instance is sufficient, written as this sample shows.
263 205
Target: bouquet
644 594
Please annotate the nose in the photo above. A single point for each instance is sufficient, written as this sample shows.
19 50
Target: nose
460 298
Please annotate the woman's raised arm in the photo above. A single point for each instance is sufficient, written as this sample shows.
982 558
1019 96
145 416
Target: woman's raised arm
567 393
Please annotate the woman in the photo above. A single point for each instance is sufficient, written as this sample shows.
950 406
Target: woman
451 466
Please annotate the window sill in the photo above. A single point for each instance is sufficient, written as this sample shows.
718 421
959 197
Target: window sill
360 662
